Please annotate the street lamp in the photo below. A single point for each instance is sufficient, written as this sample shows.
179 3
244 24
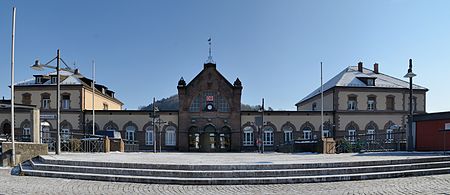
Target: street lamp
39 67
410 75
261 109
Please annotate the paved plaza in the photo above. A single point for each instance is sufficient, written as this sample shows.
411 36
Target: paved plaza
438 184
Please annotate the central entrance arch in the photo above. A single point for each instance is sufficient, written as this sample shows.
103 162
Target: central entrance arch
209 139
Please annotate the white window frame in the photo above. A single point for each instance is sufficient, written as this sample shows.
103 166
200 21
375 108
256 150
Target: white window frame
288 138
351 105
326 133
389 135
307 134
371 134
268 137
248 138
371 105
447 126
351 134
130 132
370 82
54 80
46 136
65 104
170 136
149 136
65 134
46 103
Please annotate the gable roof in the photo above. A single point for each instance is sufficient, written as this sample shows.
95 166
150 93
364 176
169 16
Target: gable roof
206 66
68 78
349 78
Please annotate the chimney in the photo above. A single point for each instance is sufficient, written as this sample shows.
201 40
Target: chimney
375 68
360 66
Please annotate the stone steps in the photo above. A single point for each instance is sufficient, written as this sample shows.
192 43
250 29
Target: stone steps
235 174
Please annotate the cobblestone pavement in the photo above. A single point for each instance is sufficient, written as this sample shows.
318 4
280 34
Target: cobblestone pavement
437 184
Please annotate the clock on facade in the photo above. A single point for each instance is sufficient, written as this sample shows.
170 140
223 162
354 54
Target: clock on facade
209 107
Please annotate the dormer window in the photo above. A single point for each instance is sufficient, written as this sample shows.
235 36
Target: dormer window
103 90
54 80
370 82
38 80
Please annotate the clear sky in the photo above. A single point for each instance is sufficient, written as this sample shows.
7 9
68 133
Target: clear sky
143 47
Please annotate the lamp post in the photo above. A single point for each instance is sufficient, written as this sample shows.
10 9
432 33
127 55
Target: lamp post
262 125
160 122
410 75
38 66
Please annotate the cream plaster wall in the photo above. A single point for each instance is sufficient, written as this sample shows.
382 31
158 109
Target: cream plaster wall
363 119
327 100
296 120
99 101
36 97
362 98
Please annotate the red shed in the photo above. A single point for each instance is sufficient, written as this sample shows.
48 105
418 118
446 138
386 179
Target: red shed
432 131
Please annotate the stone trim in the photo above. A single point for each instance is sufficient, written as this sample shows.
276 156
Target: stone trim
111 124
130 123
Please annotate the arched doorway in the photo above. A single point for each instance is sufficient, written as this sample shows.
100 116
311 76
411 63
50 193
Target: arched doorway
208 139
6 130
224 139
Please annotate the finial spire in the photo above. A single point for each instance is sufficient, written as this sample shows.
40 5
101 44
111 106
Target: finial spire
210 60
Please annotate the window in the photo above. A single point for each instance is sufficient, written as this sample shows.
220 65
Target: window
38 80
371 102
351 134
223 105
65 133
149 135
170 136
370 82
129 134
351 103
288 138
326 133
447 126
390 103
370 134
54 78
46 136
26 130
26 98
65 102
314 107
248 137
389 135
105 106
268 136
195 105
45 102
307 133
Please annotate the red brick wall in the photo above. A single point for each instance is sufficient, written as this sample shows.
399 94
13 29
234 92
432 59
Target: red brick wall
429 135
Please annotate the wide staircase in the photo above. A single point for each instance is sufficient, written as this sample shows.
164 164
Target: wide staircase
260 173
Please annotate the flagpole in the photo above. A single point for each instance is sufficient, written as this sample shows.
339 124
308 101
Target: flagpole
321 96
93 97
12 87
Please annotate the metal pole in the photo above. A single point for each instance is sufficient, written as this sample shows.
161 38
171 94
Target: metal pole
58 117
154 126
93 97
159 128
262 125
410 122
321 96
12 87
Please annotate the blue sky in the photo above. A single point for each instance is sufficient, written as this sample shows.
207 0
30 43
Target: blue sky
143 47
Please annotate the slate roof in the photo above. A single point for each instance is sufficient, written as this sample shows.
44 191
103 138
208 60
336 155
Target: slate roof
68 79
349 78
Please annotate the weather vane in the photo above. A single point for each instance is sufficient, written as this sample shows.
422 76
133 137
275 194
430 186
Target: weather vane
210 60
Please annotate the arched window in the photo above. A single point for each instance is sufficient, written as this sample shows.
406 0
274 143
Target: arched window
195 105
149 135
287 131
307 133
129 134
26 129
351 129
370 132
170 138
65 131
248 136
268 136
